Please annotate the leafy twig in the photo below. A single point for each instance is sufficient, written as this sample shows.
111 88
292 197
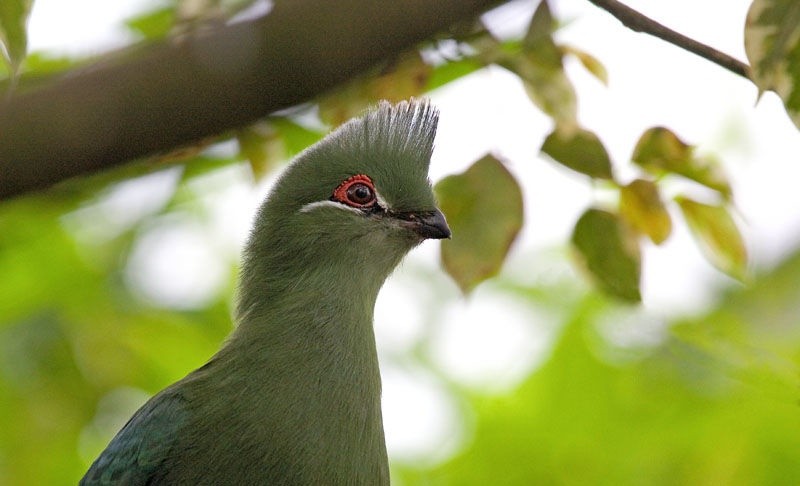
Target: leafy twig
640 23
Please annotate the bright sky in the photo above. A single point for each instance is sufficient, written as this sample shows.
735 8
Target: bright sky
651 83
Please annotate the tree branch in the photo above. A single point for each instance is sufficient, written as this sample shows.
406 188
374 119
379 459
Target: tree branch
640 23
165 95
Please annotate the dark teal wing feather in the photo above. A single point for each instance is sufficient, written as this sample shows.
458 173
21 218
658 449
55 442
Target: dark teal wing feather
137 454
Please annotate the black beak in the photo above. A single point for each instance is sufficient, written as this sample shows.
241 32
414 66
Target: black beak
431 224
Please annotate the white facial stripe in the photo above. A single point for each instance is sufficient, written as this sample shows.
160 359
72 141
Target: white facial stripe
333 204
381 202
327 204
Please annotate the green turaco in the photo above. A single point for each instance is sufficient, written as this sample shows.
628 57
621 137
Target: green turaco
293 396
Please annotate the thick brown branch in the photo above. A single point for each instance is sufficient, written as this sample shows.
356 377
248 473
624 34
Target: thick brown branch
166 95
640 23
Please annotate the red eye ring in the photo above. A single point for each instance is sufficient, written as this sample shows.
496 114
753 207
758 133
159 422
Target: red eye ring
357 191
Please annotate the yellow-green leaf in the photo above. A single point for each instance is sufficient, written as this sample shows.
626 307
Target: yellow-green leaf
610 252
405 78
270 142
717 235
261 146
539 36
589 62
483 206
541 69
772 44
295 137
641 205
660 151
580 150
13 31
450 71
154 24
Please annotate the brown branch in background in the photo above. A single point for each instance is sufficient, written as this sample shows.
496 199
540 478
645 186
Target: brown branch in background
157 97
640 23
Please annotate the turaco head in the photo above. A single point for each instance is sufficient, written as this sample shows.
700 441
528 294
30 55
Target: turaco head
349 207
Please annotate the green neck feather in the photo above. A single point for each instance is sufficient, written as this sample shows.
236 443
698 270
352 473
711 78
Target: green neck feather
305 335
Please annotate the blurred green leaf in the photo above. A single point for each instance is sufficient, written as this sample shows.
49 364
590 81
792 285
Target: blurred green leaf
13 31
641 205
39 260
589 62
154 24
717 235
261 145
772 44
43 399
660 151
42 63
541 69
580 150
484 209
268 143
450 71
610 252
755 327
295 137
539 36
673 416
552 92
406 77
202 165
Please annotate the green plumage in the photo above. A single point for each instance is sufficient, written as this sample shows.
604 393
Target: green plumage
293 396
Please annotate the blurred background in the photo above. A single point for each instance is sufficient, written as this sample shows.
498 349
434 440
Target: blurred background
116 285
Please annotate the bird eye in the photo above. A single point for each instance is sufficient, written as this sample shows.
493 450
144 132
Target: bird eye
357 191
360 194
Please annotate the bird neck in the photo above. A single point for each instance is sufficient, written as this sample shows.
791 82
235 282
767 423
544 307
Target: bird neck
307 347
316 306
311 323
